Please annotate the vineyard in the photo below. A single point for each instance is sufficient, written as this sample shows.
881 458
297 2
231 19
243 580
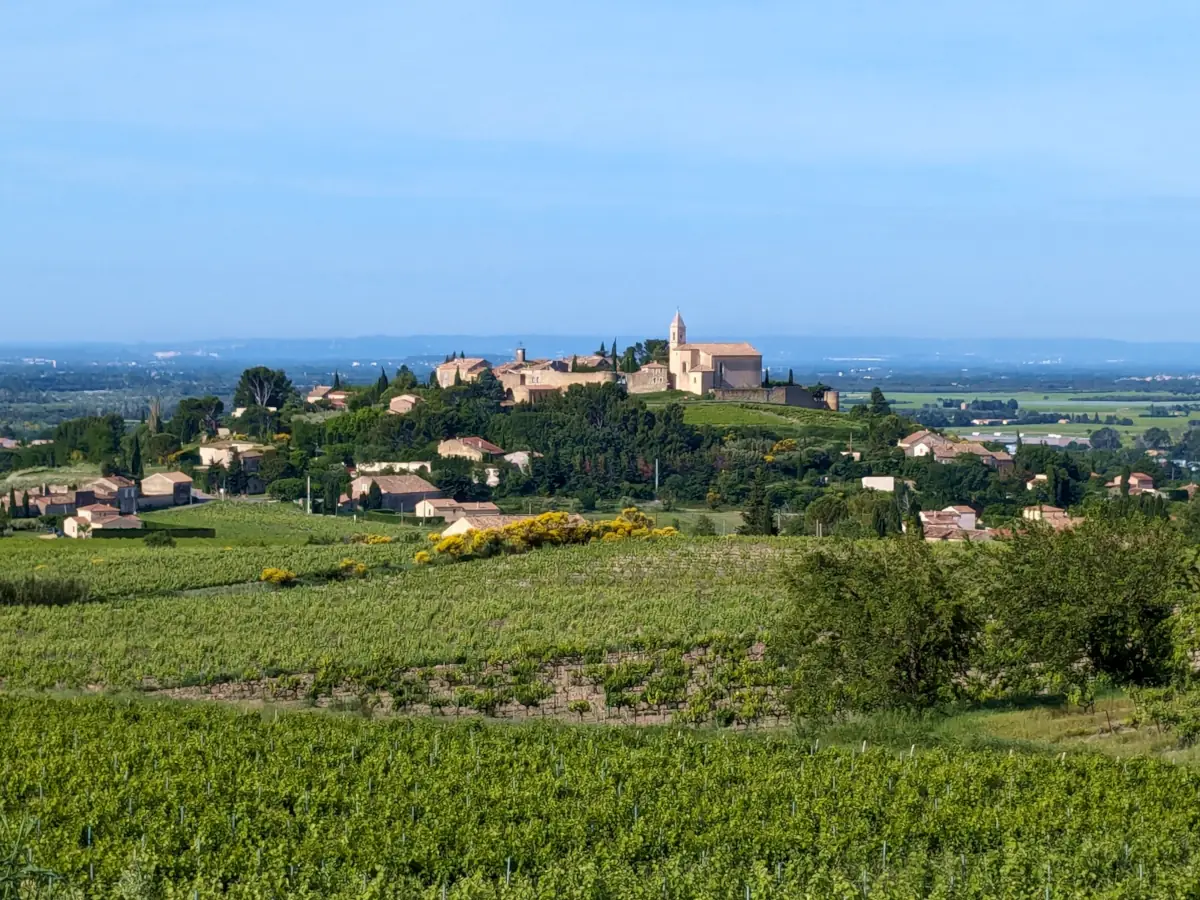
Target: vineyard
559 602
270 523
206 801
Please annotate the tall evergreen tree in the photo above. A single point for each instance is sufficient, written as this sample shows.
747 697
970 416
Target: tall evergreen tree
603 351
337 381
757 517
136 469
12 501
382 383
791 377
25 506
374 497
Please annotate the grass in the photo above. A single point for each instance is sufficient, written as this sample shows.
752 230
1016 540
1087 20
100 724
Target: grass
258 524
28 479
784 420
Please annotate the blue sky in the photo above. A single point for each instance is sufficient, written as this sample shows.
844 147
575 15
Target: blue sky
306 169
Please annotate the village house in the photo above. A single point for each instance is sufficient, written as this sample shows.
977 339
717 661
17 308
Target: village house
164 489
1139 483
98 517
650 378
221 453
1036 481
52 500
117 491
453 510
922 443
698 368
403 404
528 381
317 394
9 443
336 398
1056 517
886 483
472 448
463 370
400 493
393 468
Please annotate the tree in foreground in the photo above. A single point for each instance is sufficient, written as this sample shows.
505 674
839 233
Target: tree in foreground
875 626
1089 603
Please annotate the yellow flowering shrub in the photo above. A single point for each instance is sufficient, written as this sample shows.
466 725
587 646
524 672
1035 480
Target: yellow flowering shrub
422 558
279 577
548 529
370 539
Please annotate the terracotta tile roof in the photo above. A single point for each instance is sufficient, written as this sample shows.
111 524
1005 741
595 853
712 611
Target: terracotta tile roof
173 477
394 484
480 444
740 348
471 362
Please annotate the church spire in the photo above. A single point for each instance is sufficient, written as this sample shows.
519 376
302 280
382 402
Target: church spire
678 330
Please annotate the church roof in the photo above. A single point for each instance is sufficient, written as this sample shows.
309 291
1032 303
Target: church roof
736 349
678 320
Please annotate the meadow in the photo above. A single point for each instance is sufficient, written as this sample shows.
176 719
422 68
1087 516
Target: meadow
126 799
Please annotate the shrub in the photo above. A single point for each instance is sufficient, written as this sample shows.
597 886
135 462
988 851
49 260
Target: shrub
278 577
158 539
35 591
371 539
422 557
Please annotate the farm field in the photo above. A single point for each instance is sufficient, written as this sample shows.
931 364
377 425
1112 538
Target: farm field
264 523
559 601
1062 401
820 425
214 801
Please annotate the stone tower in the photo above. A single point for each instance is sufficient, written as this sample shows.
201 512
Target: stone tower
678 331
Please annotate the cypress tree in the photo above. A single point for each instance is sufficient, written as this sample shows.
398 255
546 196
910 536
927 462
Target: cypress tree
374 497
757 517
791 378
382 384
12 502
337 381
25 506
136 469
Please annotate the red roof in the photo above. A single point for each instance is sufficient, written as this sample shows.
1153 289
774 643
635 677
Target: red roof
480 444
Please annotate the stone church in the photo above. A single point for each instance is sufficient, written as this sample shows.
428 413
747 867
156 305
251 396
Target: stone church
704 367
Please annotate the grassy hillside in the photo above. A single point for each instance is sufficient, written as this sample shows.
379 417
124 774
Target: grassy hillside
249 523
818 425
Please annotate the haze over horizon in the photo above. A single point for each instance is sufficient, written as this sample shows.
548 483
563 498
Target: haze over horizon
905 169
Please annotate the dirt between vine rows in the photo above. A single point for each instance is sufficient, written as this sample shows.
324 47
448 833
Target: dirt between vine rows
567 682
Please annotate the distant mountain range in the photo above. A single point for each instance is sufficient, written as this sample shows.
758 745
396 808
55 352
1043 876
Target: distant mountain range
803 352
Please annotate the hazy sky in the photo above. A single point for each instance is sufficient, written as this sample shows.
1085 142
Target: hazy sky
301 168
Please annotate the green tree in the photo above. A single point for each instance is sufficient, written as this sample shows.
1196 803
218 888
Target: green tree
337 381
136 470
875 626
261 386
1157 439
374 496
878 405
382 384
1089 602
757 517
1106 439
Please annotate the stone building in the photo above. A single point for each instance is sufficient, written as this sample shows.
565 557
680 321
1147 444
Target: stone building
698 368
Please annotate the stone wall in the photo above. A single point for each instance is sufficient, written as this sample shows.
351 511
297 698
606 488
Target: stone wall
781 395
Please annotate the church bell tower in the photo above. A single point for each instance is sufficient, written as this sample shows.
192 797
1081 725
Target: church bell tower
678 331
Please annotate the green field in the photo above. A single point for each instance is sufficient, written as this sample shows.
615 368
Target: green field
265 523
1062 401
556 601
216 803
128 796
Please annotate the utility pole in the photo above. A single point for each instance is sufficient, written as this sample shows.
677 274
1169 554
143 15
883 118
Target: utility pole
308 495
656 475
